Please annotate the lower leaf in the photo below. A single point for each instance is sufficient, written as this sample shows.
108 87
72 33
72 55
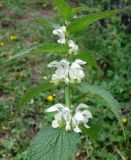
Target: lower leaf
53 144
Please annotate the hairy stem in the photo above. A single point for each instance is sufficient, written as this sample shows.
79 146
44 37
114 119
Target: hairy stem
67 96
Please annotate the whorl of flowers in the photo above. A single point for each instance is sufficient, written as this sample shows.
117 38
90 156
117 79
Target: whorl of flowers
68 72
64 115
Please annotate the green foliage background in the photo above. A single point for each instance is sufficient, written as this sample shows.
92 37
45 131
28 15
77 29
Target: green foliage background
110 40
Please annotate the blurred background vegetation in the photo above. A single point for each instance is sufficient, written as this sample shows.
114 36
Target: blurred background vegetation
110 41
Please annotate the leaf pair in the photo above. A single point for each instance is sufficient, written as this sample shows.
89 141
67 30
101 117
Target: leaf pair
84 87
55 48
81 23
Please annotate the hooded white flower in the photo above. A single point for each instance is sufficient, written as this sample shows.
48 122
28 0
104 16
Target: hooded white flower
81 117
76 72
61 72
73 47
61 113
66 72
60 32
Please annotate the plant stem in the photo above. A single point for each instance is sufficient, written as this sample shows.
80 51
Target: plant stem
119 152
67 96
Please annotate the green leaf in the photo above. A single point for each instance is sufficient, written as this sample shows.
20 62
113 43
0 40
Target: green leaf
56 48
111 103
44 22
94 130
80 9
64 9
81 23
88 57
53 144
34 92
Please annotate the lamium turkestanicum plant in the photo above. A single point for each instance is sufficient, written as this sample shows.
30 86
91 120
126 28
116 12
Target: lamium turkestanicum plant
59 140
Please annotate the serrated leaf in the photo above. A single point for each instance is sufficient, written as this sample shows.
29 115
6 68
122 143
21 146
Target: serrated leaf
34 92
88 57
64 9
80 9
82 23
109 100
53 144
94 130
44 22
43 48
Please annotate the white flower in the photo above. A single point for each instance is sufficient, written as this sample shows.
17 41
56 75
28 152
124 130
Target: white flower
60 32
81 117
61 113
66 72
76 72
73 47
61 72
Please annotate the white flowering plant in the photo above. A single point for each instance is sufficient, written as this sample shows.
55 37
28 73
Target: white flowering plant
59 140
